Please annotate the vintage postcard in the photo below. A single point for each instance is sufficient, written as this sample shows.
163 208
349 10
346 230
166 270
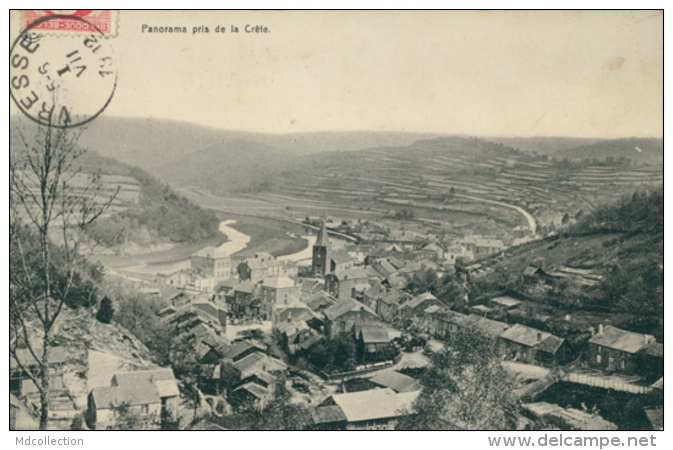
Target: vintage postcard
337 220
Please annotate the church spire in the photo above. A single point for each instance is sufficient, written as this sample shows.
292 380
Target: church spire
323 238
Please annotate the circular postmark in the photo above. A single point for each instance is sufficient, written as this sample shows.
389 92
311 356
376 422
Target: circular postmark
61 81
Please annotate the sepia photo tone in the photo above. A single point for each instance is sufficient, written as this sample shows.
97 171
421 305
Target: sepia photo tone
374 220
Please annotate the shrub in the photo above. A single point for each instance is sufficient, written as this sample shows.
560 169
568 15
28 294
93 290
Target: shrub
105 311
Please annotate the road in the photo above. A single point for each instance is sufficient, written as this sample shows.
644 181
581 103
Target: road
532 224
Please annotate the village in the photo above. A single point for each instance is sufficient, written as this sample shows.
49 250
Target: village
348 331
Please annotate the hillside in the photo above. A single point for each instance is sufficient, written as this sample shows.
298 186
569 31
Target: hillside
144 211
157 214
235 166
638 150
544 145
95 351
149 143
620 245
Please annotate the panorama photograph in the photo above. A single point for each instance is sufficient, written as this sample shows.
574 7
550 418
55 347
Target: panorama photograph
336 220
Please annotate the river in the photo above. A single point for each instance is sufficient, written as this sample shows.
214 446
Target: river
303 254
237 240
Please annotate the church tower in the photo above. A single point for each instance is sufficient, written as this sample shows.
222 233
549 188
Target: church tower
320 249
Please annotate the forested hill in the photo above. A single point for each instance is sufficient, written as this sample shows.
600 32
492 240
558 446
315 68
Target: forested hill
145 211
160 215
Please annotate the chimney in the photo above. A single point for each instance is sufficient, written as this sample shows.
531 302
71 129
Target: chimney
539 337
600 329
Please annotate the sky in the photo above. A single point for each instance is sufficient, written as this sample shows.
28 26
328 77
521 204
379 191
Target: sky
580 74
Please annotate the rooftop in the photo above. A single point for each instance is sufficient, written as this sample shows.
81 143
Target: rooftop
395 381
619 339
345 306
327 414
340 256
323 238
578 420
371 335
419 299
531 337
278 282
374 404
254 358
489 327
255 389
506 301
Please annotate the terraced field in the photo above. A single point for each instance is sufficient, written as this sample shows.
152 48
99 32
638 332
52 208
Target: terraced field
425 174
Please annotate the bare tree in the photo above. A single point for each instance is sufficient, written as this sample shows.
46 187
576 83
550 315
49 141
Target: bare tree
52 203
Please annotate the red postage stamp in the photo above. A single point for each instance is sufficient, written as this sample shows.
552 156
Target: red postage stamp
103 21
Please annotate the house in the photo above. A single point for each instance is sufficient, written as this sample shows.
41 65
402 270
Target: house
277 291
310 286
384 268
405 239
358 252
614 349
395 381
243 300
419 304
294 312
532 346
397 282
213 262
339 260
375 342
487 327
257 362
376 409
482 247
193 280
370 294
252 394
456 251
387 304
432 251
19 381
242 349
261 266
347 283
445 322
210 304
566 418
151 394
264 379
534 275
328 418
296 336
421 266
320 301
342 317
